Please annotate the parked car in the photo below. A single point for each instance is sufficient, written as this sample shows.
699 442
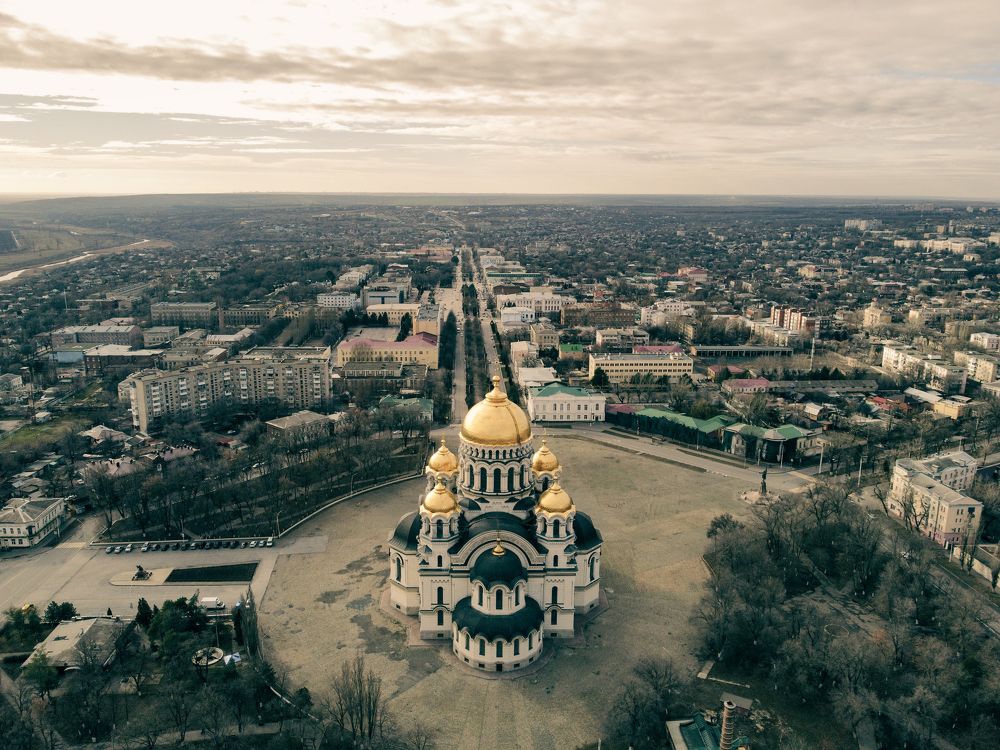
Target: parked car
118 549
253 543
128 547
144 548
154 546
270 541
243 545
175 546
109 550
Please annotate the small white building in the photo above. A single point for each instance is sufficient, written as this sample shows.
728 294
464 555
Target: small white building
988 341
556 402
534 377
27 522
512 316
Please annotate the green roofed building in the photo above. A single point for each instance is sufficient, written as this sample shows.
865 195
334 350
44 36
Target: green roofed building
775 444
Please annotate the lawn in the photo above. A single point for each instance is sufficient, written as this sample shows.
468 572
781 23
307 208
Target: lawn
241 573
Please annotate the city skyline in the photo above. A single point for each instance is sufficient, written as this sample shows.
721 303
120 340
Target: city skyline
539 97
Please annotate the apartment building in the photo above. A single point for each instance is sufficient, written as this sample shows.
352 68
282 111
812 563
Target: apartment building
184 314
988 341
607 314
340 299
125 335
355 276
556 402
795 319
254 314
297 377
621 338
982 368
420 348
929 491
621 367
930 369
26 522
112 358
382 293
544 335
395 311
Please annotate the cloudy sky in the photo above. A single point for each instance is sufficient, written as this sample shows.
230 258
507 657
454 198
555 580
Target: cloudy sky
827 97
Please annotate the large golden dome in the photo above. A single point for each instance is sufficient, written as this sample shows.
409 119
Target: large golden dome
555 500
443 461
439 500
544 459
496 420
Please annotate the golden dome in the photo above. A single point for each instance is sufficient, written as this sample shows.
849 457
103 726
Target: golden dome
443 461
555 500
439 500
496 420
544 459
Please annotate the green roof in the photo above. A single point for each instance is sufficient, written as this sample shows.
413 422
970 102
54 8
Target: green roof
784 432
700 735
554 389
571 347
702 425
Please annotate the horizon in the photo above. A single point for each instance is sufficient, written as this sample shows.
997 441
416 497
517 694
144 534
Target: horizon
538 97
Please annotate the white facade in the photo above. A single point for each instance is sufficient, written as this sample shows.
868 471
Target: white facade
540 302
342 300
560 403
620 367
517 315
496 558
27 522
928 492
988 341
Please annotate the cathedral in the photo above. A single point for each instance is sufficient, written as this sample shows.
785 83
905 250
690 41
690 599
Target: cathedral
496 557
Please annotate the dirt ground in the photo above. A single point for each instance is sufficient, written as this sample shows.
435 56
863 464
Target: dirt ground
320 609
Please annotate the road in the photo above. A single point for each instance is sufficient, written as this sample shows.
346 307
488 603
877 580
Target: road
485 318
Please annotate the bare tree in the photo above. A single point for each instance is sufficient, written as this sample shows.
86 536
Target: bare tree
358 705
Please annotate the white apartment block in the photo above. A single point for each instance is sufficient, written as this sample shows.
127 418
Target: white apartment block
621 367
27 522
933 487
298 378
988 341
982 368
561 403
339 299
931 369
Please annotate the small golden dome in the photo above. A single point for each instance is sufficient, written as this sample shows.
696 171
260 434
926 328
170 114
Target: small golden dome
544 459
496 420
443 461
555 500
439 500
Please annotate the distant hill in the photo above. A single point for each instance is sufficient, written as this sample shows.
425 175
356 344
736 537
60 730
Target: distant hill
8 242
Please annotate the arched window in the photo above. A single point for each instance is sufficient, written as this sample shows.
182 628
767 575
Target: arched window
440 594
510 479
439 528
466 641
522 477
482 647
496 480
555 561
440 561
480 595
482 479
531 640
554 616
440 617
499 649
555 527
517 646
499 600
545 526
545 483
517 596
399 569
470 475
555 594
592 561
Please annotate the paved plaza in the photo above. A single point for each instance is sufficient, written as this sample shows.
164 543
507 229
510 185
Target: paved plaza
320 609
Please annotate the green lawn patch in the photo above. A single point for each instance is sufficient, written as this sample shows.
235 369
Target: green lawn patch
240 573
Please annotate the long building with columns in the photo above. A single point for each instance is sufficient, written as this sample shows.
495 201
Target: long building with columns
496 557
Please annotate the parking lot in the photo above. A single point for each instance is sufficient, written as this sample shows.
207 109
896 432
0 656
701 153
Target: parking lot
75 572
